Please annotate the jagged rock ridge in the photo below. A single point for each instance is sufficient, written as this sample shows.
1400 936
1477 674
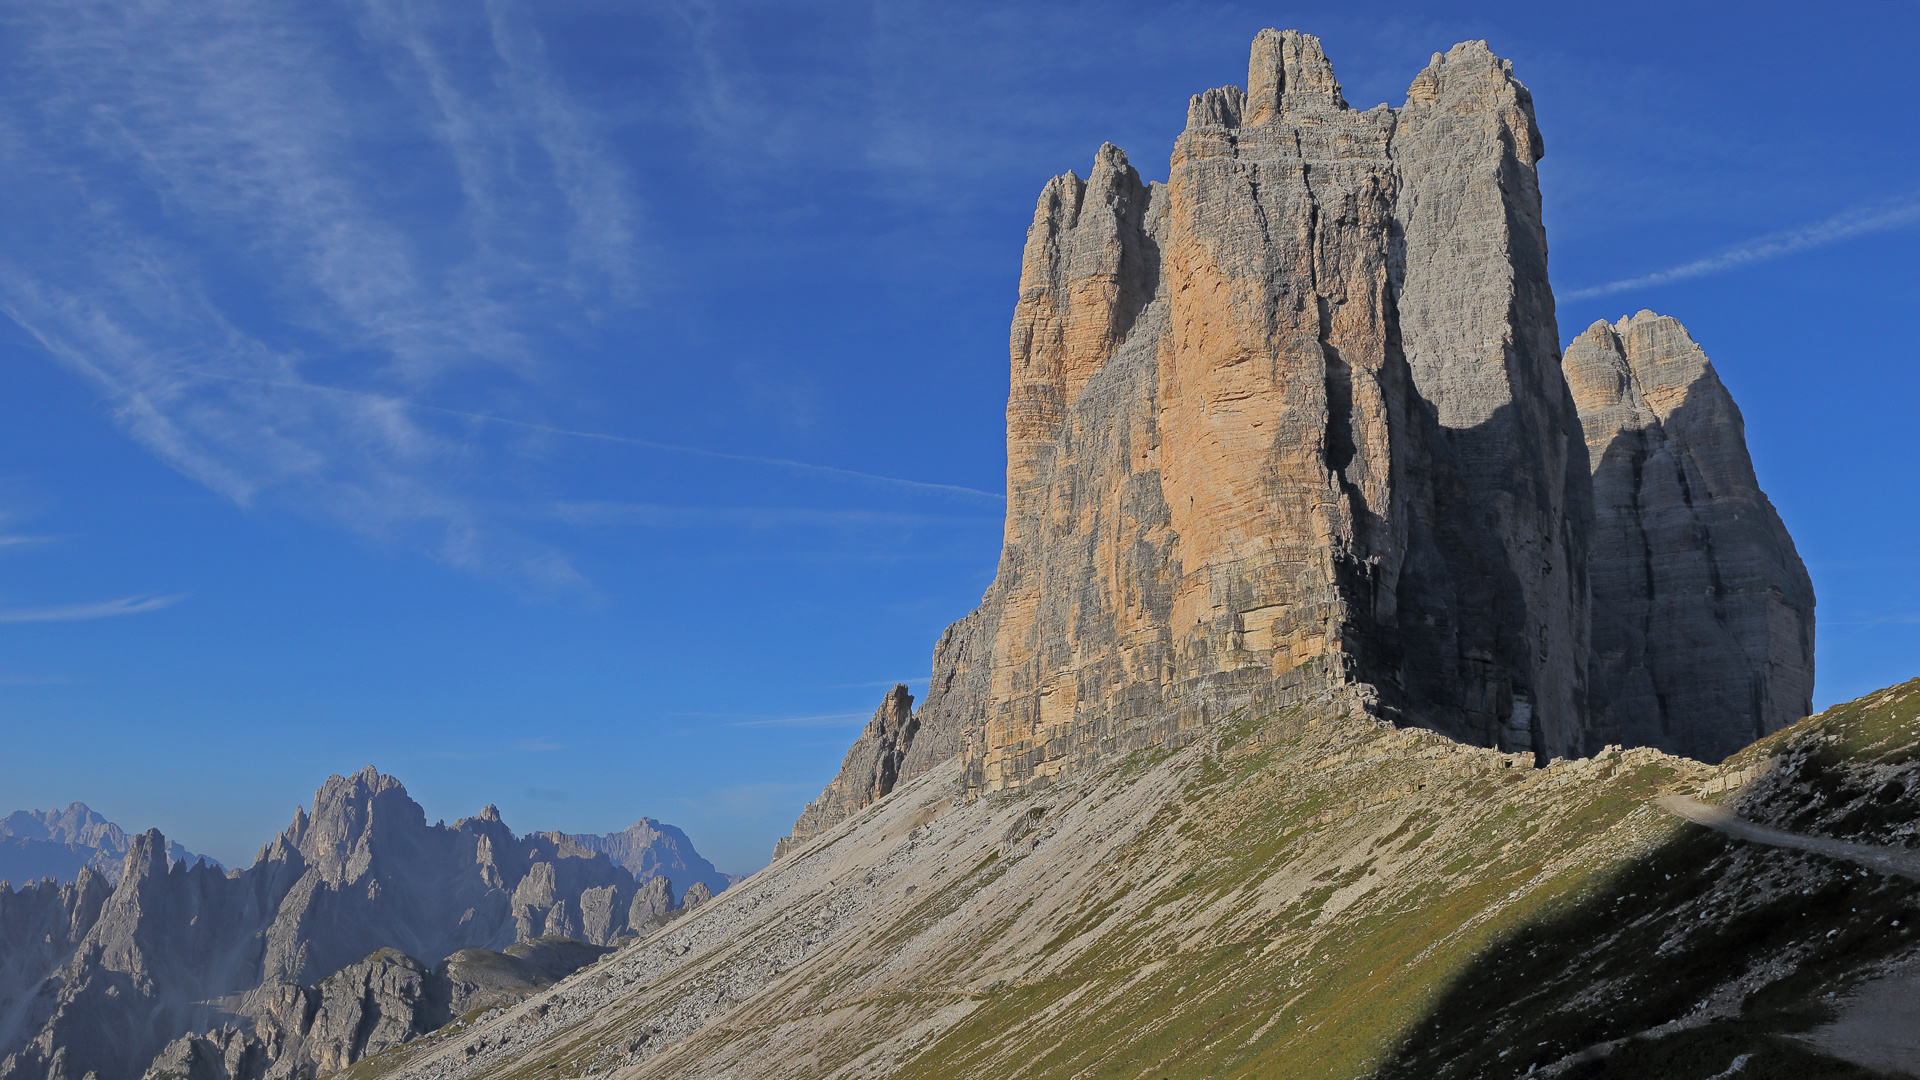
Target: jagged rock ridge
382 1002
1297 420
871 770
36 844
98 979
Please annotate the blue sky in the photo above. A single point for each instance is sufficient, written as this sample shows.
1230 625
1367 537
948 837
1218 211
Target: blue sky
590 408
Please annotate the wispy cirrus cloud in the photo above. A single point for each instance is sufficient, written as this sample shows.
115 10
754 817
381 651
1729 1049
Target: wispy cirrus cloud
821 720
388 402
647 515
103 609
1859 222
281 195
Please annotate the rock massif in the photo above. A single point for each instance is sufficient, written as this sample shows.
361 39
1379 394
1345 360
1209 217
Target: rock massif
98 978
651 849
37 844
1703 612
1298 420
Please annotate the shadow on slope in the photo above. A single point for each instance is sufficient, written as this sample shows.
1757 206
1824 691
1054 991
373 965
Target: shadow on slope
1308 895
1705 952
1708 951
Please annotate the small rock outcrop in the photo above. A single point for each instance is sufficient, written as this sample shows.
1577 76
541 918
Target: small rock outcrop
1702 611
871 769
651 903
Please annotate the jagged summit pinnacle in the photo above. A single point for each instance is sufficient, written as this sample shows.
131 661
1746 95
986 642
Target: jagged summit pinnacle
1287 72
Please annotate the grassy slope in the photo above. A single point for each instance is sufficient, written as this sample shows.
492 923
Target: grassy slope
1299 896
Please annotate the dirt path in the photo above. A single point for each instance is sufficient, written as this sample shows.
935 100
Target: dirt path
1887 860
1879 1023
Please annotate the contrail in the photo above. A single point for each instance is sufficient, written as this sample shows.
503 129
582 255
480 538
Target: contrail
783 463
1850 224
104 609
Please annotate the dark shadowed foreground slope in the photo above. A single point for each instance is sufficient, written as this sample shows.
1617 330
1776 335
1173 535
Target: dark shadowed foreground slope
1310 894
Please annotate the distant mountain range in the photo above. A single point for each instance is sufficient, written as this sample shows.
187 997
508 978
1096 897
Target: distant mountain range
360 926
57 844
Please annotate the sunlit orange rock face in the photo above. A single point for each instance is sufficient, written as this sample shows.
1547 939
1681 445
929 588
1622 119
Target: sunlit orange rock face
1292 420
1295 423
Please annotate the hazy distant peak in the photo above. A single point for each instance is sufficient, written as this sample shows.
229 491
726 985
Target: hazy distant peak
650 848
59 844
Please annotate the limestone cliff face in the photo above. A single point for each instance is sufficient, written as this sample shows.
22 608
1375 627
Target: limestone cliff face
1296 423
1703 612
1293 420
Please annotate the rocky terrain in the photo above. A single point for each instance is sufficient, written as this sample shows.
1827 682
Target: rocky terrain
871 771
357 926
1346 704
1339 706
58 844
377 1004
1312 893
1703 614
1298 420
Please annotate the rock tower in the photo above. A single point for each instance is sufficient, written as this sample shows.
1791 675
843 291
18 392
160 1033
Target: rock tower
1296 421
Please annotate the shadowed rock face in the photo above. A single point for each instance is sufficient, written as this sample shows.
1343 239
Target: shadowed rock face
1294 423
1293 420
1703 612
98 980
